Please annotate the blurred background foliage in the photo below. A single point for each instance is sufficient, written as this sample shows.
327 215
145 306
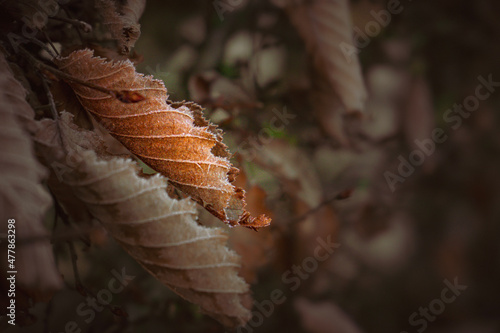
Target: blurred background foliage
398 247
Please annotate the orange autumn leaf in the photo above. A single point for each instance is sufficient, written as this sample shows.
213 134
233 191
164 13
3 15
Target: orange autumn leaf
174 139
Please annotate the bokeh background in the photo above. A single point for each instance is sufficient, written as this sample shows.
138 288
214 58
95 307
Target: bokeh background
396 248
322 172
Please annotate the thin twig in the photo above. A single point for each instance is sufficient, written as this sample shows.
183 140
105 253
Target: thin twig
84 291
84 26
74 258
312 210
41 45
65 9
50 42
53 110
80 287
50 97
41 107
65 218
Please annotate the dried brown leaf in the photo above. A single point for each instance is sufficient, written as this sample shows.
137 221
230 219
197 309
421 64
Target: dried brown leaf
325 26
175 140
23 197
159 232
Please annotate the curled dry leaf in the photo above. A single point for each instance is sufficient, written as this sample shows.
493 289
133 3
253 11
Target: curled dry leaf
159 232
122 21
23 198
325 26
174 139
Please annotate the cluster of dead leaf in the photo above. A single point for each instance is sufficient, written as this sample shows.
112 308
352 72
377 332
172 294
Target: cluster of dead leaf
90 117
84 132
96 113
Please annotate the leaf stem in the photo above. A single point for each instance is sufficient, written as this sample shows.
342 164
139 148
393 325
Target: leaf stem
84 26
47 37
